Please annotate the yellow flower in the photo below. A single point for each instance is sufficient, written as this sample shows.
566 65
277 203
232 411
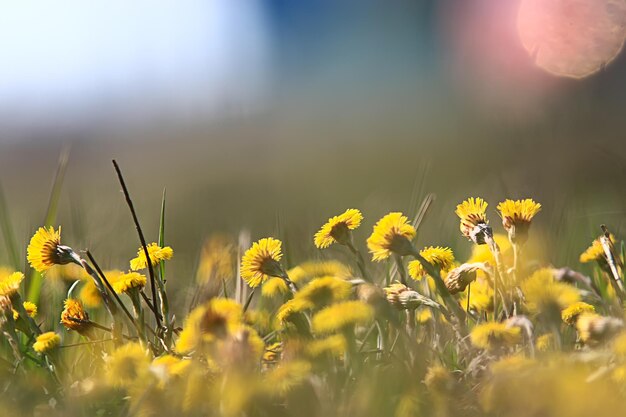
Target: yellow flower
472 213
274 287
43 249
337 228
126 282
595 252
341 316
288 310
392 233
481 297
545 342
493 335
74 316
127 365
156 253
516 217
482 253
217 260
307 271
31 310
261 262
459 278
334 345
571 313
167 367
594 329
286 376
543 293
89 294
437 256
46 342
10 283
325 290
273 352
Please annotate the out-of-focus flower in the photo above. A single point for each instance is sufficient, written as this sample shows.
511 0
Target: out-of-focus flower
544 294
261 262
439 381
337 229
517 216
10 282
333 345
439 257
325 290
594 329
128 365
493 335
29 307
307 271
460 277
217 260
281 379
292 307
545 342
474 224
272 352
46 342
342 315
45 250
123 283
74 316
167 367
481 297
596 253
482 253
89 294
156 253
572 312
392 233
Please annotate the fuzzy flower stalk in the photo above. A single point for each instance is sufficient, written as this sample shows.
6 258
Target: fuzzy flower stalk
262 261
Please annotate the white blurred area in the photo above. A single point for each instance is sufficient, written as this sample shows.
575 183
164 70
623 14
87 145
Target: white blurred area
72 63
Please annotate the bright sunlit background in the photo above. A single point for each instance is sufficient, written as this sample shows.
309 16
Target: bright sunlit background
276 114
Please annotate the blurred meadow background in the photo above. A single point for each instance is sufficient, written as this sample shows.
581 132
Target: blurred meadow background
272 115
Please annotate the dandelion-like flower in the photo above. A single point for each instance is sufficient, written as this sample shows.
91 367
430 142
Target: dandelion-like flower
439 257
45 249
545 342
29 307
46 342
261 262
481 299
516 217
124 283
337 229
596 253
571 313
333 345
473 215
289 310
74 316
156 253
544 294
493 335
325 290
10 282
127 365
340 316
392 233
286 376
217 260
307 271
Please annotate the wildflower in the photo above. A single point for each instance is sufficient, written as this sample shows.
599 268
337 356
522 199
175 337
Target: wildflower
482 253
74 316
481 298
459 278
424 315
437 256
392 233
156 253
89 294
493 335
167 367
401 296
274 287
216 260
30 308
474 224
596 253
286 376
341 316
124 283
45 250
337 229
439 381
307 271
594 329
46 342
325 290
10 283
516 217
127 365
333 345
543 293
545 342
287 311
572 312
273 352
261 262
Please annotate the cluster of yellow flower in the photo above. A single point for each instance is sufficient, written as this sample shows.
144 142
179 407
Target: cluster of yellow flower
497 334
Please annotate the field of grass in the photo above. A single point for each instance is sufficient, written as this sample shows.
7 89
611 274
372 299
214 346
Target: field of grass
351 316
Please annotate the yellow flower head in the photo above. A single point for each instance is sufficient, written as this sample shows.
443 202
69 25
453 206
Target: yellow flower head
291 308
516 217
337 228
157 254
167 367
334 345
595 252
544 294
123 283
392 233
30 308
89 294
46 342
274 287
481 297
127 365
217 260
261 262
482 253
341 316
571 313
437 256
281 379
307 271
494 335
10 282
74 316
473 213
545 342
44 249
325 290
